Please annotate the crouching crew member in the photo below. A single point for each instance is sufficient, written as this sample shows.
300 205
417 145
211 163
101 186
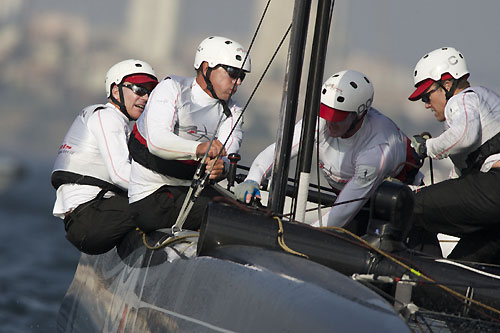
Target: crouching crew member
173 133
468 206
358 148
92 170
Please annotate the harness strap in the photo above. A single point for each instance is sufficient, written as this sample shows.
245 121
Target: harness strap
476 159
138 148
59 178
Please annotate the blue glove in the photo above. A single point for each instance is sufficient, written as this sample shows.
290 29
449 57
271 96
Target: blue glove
418 143
247 191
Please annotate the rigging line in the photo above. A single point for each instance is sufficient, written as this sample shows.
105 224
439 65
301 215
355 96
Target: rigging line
450 262
327 206
251 42
318 180
195 183
414 271
255 90
260 80
241 68
189 200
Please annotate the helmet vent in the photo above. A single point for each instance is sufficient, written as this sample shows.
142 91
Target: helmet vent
238 57
366 79
425 56
335 75
138 65
323 91
228 42
353 84
340 99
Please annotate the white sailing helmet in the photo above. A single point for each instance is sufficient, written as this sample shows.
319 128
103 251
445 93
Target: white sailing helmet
345 92
142 71
441 64
217 50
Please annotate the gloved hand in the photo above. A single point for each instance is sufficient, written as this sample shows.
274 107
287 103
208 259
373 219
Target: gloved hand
418 143
247 190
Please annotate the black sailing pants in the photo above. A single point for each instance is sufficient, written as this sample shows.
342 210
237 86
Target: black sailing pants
161 208
97 226
467 207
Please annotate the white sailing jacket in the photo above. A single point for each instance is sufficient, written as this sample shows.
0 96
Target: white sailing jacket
178 116
96 146
353 166
472 118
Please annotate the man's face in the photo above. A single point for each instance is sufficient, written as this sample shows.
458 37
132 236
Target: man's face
338 129
223 83
132 98
435 99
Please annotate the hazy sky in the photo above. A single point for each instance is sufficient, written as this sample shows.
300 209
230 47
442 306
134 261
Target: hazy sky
399 29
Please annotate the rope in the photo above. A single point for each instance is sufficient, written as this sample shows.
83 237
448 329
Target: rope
414 271
166 242
201 184
327 206
281 240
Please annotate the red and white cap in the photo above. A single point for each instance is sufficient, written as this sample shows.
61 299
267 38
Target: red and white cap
131 70
140 78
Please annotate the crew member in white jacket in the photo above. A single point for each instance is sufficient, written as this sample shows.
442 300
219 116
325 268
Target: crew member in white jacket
173 134
92 170
468 206
358 148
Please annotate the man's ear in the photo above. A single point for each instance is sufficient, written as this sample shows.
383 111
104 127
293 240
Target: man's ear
448 84
204 67
115 93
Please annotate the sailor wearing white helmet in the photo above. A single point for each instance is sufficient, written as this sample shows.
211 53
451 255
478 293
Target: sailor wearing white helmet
358 148
92 169
173 133
468 206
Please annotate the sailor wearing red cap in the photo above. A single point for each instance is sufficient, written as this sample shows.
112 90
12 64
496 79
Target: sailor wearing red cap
468 206
358 148
92 170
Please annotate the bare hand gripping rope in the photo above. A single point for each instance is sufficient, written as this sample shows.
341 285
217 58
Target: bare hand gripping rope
199 182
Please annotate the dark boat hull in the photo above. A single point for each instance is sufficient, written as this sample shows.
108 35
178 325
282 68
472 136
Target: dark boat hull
239 288
226 225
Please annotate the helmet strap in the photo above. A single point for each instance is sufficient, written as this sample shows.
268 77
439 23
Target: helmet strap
449 93
354 124
210 88
121 105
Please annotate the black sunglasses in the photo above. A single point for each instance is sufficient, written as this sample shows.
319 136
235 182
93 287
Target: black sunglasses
138 90
426 97
234 72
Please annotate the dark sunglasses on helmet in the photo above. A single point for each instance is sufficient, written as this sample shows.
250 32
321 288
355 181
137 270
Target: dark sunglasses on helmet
138 90
234 72
426 96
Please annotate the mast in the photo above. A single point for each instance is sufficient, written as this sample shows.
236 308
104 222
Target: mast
312 102
289 103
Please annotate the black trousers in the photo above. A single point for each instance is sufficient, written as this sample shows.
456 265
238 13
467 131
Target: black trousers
97 226
161 208
467 207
